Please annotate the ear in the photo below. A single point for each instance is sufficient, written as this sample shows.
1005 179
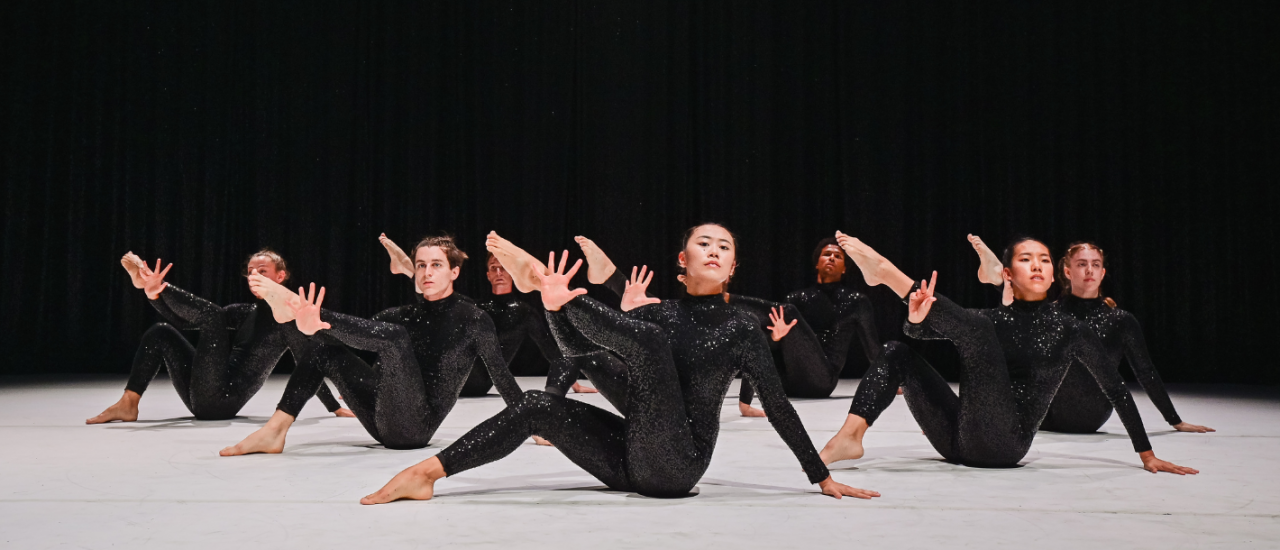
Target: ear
733 268
1008 275
453 273
281 276
680 259
1066 274
1102 274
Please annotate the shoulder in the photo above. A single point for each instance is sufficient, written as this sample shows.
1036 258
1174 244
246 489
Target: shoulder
240 308
392 313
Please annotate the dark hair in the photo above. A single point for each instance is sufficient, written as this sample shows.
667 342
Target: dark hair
822 245
1073 249
452 253
272 255
688 234
1007 257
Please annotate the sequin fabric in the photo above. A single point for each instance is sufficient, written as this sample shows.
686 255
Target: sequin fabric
811 356
1013 360
681 357
424 354
1080 406
238 347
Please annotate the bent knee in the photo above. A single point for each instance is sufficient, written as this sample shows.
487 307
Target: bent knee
894 349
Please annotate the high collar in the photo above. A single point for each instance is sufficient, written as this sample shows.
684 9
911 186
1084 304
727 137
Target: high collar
438 305
701 300
830 287
1027 306
1075 302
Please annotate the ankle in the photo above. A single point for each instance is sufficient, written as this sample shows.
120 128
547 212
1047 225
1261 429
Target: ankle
131 397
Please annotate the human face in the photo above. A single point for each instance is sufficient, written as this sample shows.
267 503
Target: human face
1085 272
830 264
499 279
1030 271
266 267
709 259
432 274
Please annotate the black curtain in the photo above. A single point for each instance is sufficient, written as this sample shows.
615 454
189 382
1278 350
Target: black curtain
199 131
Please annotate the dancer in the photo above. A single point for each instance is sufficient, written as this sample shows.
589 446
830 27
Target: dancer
834 313
1079 405
1013 358
425 351
239 345
514 318
681 356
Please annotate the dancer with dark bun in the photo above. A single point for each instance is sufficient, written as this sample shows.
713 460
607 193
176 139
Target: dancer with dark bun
515 320
238 347
681 355
1013 359
1079 405
424 353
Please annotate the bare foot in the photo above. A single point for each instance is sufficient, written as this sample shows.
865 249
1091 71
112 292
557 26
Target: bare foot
516 261
417 482
990 271
543 442
899 391
400 262
278 297
876 270
125 410
579 388
268 439
749 411
132 263
847 443
599 266
344 413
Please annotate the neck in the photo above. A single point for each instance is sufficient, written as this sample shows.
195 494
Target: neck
447 292
1081 293
497 291
697 287
1024 296
824 278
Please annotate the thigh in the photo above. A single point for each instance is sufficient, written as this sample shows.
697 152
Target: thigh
591 437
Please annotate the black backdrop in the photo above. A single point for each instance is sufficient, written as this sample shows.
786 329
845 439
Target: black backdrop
198 131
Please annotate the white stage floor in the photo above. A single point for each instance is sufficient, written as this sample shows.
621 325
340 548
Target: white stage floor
159 483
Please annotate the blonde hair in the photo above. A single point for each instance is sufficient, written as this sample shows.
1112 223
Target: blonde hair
1072 250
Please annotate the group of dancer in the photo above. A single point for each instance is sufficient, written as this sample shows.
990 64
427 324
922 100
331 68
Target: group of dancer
664 364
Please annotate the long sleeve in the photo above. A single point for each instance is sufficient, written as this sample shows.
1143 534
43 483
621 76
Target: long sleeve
1088 349
618 283
184 309
364 334
946 321
759 370
485 340
1135 350
611 329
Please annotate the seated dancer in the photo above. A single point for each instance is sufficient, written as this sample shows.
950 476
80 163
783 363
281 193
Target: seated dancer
834 312
681 355
1013 359
425 351
770 317
514 318
1080 406
239 345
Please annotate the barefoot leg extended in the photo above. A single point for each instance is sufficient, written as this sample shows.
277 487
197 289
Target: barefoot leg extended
161 346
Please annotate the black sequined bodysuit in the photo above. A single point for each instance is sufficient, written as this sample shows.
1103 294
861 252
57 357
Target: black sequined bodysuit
811 356
238 347
1080 406
1013 358
681 357
425 351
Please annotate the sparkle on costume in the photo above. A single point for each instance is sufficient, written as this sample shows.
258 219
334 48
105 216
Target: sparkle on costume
238 347
425 352
1080 406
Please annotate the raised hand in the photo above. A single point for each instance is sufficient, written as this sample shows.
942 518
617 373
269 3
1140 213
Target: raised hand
1192 428
922 301
1154 465
990 270
833 488
555 284
307 311
401 263
634 294
133 264
153 279
780 327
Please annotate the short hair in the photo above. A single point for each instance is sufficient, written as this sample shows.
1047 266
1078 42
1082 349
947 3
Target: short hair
822 245
452 253
272 255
